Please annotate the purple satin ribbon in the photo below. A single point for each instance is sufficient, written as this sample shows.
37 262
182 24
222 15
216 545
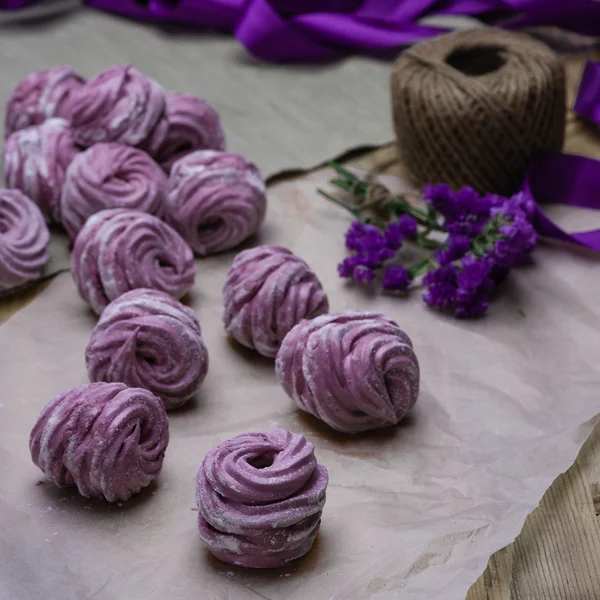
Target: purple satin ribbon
210 14
564 179
15 4
300 30
587 104
292 30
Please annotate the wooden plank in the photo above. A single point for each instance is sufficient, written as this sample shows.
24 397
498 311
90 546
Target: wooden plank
557 555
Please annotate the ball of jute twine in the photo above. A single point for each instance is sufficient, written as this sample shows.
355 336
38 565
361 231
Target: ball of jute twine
474 107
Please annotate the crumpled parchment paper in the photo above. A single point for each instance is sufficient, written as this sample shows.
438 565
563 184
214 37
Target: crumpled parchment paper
413 512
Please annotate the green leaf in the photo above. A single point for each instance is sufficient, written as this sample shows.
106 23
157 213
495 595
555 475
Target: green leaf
396 208
341 183
477 248
333 199
420 268
427 244
340 170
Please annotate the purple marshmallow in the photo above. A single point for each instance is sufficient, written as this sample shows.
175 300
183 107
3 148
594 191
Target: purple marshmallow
118 105
216 200
40 96
354 371
119 250
267 292
146 338
192 124
24 239
111 176
36 160
107 439
260 498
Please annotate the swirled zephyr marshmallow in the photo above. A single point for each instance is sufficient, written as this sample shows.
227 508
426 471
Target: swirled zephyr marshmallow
24 240
146 338
40 96
119 250
107 439
354 371
36 160
118 105
216 200
260 498
268 291
192 124
111 176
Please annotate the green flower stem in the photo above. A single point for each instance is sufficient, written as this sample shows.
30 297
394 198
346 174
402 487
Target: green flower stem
426 219
333 199
426 243
423 221
340 170
397 205
488 237
421 268
400 203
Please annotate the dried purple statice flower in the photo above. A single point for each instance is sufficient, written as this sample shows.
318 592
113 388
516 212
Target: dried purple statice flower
485 236
396 278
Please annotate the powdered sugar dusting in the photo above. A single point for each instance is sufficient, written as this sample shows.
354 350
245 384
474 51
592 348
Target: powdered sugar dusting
268 291
24 239
36 159
146 338
260 498
118 105
216 200
355 371
82 437
109 258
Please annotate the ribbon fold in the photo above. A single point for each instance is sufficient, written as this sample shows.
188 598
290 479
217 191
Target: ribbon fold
567 178
564 179
15 4
587 103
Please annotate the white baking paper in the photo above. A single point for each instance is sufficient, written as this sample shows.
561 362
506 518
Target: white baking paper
413 512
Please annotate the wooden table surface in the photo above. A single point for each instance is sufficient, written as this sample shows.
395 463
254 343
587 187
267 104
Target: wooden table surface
557 555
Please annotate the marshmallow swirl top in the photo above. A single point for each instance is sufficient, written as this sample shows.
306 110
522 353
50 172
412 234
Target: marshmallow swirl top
36 160
40 96
118 105
267 292
216 200
354 371
119 250
107 439
260 498
145 338
192 124
24 240
111 176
